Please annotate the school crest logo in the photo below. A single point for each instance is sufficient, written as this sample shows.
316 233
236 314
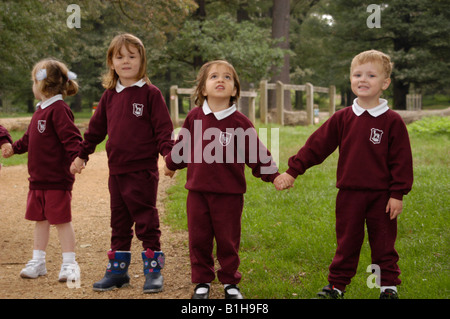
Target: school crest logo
138 109
41 126
375 135
225 138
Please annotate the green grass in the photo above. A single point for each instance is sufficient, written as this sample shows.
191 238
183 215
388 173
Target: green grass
288 238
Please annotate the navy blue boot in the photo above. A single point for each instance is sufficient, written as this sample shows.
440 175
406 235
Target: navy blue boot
153 263
116 275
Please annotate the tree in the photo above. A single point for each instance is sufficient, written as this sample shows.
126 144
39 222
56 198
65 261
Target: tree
412 32
280 32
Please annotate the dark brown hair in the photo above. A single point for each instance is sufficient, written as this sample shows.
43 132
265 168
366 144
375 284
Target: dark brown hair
202 75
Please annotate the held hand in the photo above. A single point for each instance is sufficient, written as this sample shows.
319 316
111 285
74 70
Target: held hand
77 165
7 150
394 207
168 172
284 181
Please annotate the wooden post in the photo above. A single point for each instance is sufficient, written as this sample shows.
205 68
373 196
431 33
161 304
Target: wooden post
309 104
174 105
251 95
280 102
263 101
332 95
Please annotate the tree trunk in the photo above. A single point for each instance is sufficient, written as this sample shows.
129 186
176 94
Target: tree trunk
76 104
280 29
200 14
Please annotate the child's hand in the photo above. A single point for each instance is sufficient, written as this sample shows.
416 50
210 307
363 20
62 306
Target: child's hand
394 207
7 150
77 165
283 181
168 172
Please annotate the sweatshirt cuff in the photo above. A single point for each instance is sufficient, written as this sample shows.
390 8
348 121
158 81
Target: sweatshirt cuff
169 163
292 172
397 195
83 156
273 176
4 141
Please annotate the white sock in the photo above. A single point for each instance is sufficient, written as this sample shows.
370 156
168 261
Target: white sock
68 258
202 290
39 255
231 291
383 288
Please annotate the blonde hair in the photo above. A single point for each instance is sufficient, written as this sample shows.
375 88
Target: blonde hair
110 79
373 56
57 79
202 76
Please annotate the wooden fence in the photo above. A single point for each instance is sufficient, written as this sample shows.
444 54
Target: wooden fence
175 91
279 88
413 102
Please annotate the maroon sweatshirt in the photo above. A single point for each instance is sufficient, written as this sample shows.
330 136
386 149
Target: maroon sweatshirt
138 126
215 152
52 141
4 136
374 152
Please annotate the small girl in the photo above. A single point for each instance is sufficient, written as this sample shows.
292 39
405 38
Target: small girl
215 176
133 114
52 142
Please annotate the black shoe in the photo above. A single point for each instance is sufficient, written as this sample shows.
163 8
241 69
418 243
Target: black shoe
389 294
153 282
201 296
328 292
233 296
111 281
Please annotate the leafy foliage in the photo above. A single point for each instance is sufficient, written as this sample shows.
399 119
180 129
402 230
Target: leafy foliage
431 125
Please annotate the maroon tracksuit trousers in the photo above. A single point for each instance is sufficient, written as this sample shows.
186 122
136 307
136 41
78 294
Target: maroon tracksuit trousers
353 209
133 202
214 216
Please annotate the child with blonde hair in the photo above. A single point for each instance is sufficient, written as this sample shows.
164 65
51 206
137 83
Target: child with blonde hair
374 173
52 142
133 114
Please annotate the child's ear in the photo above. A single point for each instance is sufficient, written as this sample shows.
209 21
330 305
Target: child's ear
386 83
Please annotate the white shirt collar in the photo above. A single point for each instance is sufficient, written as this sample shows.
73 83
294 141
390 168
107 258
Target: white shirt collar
221 114
49 101
120 87
375 111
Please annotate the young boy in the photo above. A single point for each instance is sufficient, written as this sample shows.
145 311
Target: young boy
374 172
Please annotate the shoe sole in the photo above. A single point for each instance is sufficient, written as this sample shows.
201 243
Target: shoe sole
152 291
25 276
110 288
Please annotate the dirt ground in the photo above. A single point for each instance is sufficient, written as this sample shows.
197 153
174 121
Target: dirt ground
90 218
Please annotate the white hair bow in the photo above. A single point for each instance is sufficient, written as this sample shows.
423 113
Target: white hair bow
71 75
42 74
